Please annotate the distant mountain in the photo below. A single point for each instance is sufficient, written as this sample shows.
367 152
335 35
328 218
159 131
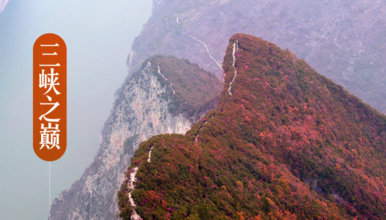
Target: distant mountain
342 39
166 95
3 3
284 143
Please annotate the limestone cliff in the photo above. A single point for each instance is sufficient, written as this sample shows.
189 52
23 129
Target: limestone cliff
283 143
152 101
343 39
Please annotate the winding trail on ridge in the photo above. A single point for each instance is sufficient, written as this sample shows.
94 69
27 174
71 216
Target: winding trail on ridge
171 84
207 49
133 173
202 126
149 157
235 47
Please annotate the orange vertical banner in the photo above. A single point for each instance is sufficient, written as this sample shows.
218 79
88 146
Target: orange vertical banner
49 97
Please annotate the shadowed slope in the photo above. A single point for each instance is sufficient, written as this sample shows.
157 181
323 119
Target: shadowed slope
192 88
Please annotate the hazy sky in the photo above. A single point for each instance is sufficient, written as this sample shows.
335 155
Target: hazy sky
98 34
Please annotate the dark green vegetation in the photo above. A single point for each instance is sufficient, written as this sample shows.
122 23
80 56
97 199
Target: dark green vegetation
288 144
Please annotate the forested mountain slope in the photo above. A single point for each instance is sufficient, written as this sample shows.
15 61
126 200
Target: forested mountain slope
159 98
284 143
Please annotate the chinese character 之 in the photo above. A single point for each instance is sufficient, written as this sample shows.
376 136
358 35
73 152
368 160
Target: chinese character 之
54 106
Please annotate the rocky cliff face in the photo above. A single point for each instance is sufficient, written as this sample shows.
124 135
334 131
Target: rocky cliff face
146 105
343 40
3 3
283 143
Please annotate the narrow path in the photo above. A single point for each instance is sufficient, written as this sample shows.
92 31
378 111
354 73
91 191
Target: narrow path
235 47
159 71
171 84
207 49
149 157
177 20
134 214
198 133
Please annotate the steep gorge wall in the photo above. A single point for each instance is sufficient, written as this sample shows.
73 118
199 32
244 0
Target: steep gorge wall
283 143
167 95
343 40
137 115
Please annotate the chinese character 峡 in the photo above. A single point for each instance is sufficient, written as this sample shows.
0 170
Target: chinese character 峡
49 80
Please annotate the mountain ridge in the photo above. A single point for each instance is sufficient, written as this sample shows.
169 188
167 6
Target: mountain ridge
284 142
342 40
326 34
148 103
